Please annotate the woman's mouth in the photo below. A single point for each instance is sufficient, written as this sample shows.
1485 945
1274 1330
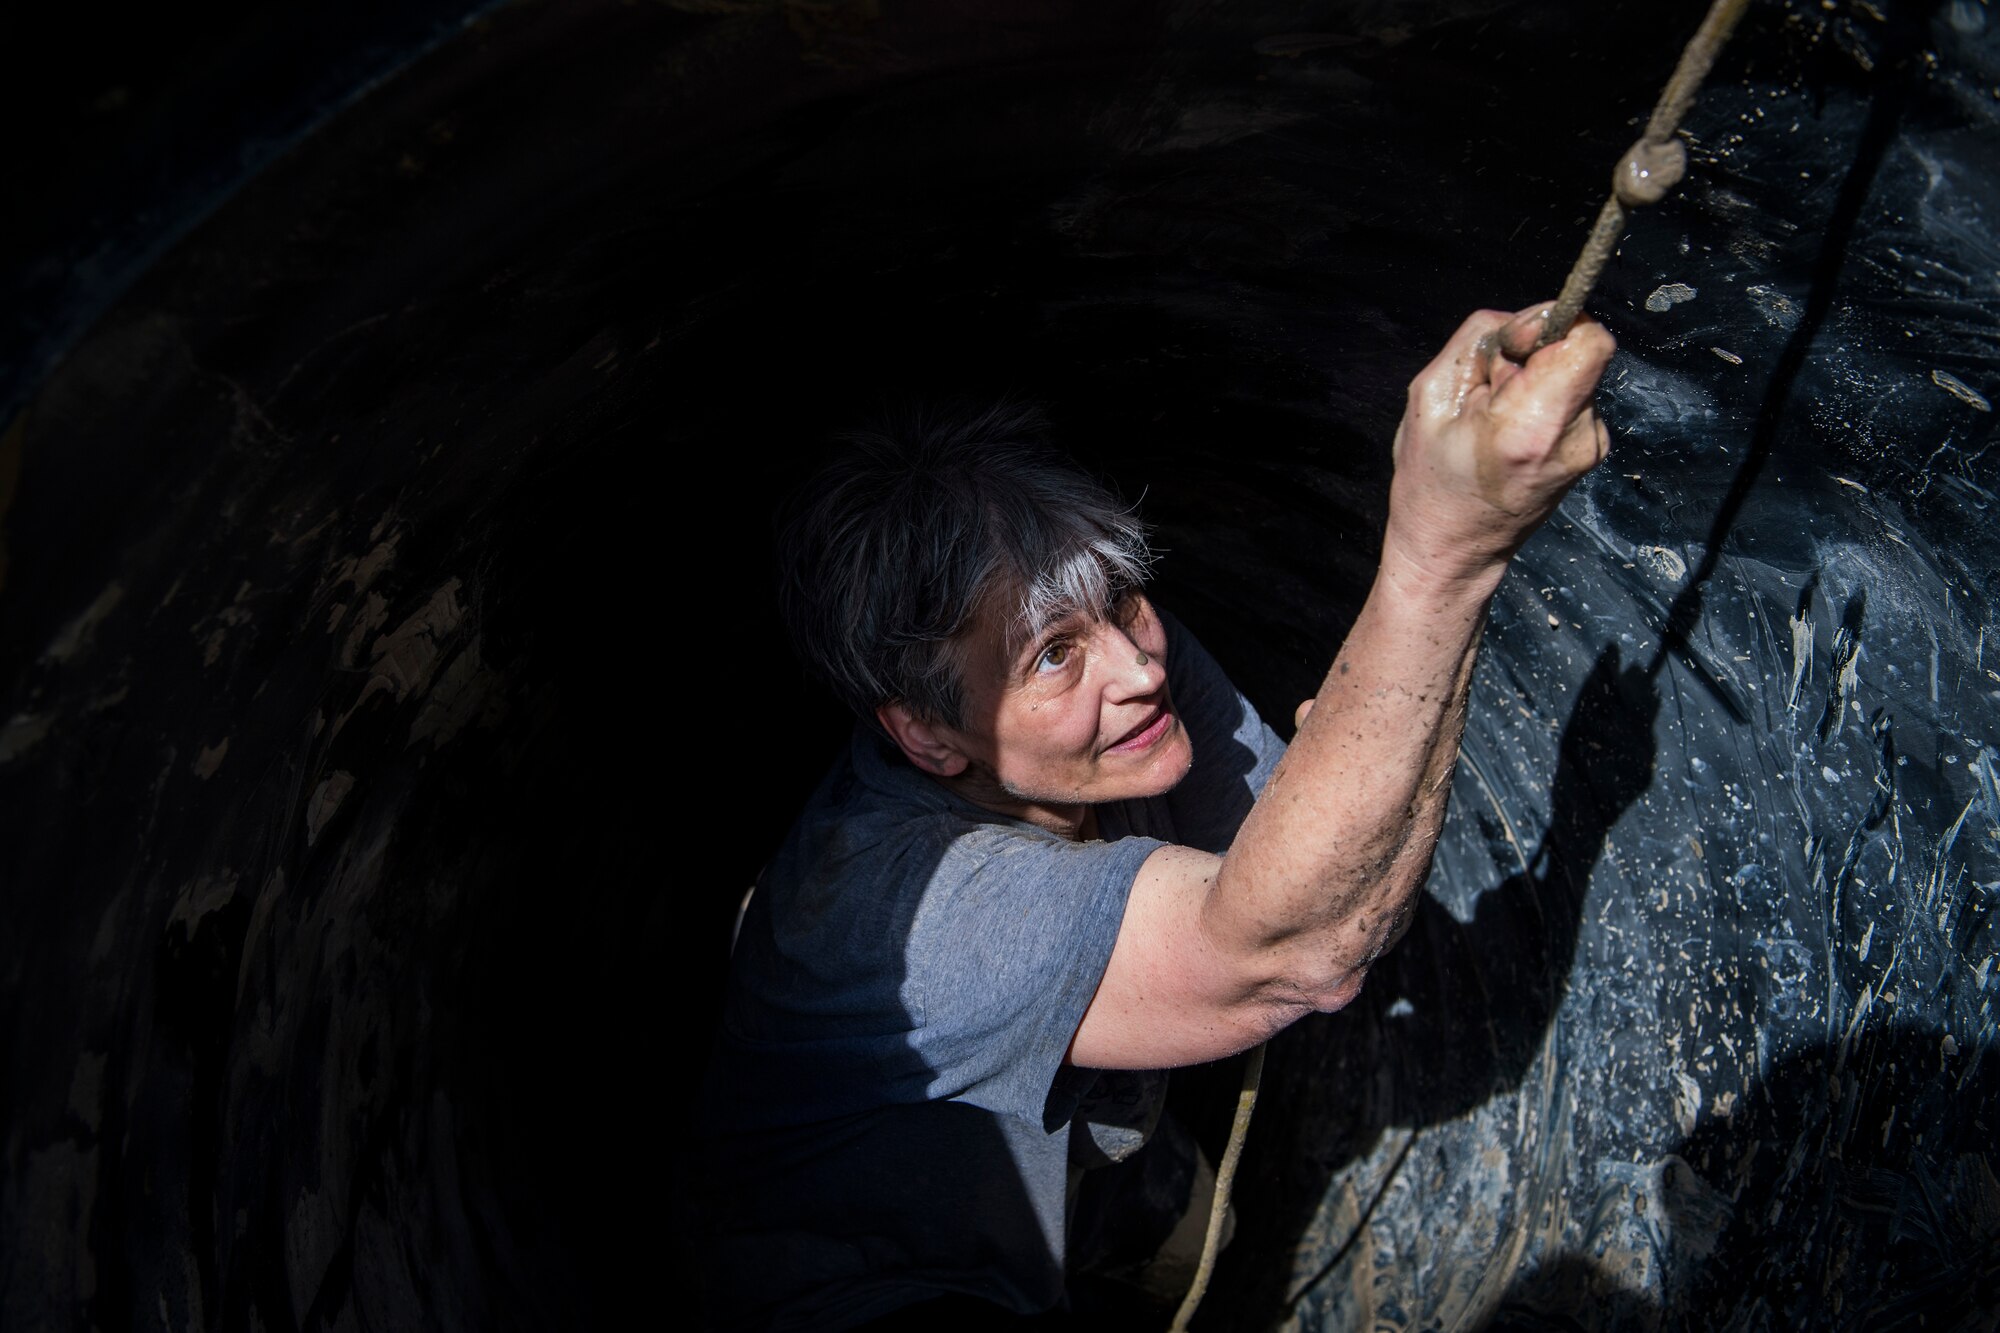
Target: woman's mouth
1145 736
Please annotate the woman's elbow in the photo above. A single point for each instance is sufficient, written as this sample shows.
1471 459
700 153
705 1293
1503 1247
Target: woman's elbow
1316 993
1338 992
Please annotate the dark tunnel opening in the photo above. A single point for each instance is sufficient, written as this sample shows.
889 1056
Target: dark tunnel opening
395 712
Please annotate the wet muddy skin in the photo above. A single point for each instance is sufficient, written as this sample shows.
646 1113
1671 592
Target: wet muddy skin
394 712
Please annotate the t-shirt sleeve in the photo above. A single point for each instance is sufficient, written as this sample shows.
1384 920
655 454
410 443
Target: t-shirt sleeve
1234 751
1005 954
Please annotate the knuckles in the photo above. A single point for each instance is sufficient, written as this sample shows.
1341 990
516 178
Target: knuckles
1534 438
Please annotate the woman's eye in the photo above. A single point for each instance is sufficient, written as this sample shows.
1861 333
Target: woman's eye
1053 657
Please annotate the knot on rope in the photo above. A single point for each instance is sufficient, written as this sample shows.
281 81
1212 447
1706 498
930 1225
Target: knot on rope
1652 166
1648 171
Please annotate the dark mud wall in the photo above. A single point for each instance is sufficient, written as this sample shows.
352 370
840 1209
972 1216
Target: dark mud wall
393 711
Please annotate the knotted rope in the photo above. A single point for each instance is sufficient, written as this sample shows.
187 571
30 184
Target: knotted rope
1651 168
1647 172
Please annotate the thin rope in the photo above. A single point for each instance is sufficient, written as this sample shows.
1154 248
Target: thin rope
1647 172
1225 1177
1651 168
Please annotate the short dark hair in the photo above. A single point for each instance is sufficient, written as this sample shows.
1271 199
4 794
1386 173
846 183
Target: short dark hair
891 550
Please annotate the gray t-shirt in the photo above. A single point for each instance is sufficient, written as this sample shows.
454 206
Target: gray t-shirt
888 1115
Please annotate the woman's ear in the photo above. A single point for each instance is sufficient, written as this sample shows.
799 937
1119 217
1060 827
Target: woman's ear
928 746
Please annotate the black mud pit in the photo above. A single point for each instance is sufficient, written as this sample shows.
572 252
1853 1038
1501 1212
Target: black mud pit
393 713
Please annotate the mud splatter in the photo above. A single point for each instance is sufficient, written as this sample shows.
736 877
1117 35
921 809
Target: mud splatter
325 803
1668 295
22 733
1960 390
76 636
210 758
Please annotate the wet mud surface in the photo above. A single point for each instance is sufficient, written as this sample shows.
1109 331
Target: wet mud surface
393 711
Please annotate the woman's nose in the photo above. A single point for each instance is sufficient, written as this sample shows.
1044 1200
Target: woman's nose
1131 667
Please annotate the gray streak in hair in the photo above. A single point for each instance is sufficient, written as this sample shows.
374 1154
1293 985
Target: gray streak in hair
890 552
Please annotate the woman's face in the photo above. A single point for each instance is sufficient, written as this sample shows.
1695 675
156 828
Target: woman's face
1075 717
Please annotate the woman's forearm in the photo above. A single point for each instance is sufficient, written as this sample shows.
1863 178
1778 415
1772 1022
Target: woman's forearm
1329 861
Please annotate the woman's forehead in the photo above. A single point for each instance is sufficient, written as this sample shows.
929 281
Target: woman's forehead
1009 623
